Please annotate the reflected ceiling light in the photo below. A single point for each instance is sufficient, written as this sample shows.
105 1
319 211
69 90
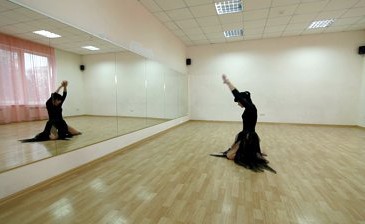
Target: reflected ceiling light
321 23
231 6
233 33
91 48
46 33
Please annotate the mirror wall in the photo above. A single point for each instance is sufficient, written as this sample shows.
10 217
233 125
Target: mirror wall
118 92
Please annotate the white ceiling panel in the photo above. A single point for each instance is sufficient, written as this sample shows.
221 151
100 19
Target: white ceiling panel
278 21
198 2
313 31
276 3
195 31
291 33
162 16
186 24
340 4
256 14
171 26
203 10
346 21
256 4
180 14
201 42
208 21
5 20
356 26
6 5
231 18
282 11
253 31
214 35
179 33
212 29
354 12
169 4
297 26
272 35
254 24
331 14
274 29
310 7
232 26
252 37
217 40
151 5
197 37
303 18
234 39
360 3
336 29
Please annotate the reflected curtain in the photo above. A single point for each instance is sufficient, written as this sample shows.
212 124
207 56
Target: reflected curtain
27 78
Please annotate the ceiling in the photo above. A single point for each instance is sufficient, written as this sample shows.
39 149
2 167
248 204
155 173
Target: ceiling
20 22
196 22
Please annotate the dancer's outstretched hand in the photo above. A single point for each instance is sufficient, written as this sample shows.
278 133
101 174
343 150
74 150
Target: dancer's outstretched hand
64 83
225 79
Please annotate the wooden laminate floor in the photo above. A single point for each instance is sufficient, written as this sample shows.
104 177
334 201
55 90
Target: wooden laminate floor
171 179
94 128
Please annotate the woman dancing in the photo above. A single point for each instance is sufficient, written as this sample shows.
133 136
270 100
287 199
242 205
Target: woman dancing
56 127
245 149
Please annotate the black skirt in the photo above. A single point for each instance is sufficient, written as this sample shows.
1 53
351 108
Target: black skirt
249 151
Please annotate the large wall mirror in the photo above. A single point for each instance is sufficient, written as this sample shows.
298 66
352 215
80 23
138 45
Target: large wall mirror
117 92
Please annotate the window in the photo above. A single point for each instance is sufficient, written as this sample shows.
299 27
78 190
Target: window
27 79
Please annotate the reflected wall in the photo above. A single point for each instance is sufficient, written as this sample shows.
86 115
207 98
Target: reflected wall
118 92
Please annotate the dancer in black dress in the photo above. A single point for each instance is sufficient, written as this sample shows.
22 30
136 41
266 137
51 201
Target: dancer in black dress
245 149
55 119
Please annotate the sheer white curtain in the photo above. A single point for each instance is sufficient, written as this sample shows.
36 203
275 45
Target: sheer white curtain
27 78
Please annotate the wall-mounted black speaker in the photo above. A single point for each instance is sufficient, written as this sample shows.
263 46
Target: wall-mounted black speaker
362 50
82 67
188 61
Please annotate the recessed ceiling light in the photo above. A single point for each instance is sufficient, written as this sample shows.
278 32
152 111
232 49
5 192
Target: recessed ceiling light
46 33
91 48
321 23
233 33
228 7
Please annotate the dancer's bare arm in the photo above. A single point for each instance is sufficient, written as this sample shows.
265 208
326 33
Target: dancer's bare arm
227 82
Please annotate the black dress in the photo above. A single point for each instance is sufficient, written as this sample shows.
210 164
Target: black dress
55 119
249 152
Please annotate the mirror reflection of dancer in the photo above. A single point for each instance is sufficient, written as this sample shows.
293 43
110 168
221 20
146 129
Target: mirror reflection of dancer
55 119
245 150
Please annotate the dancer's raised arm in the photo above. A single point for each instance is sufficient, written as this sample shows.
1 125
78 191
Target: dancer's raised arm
63 85
226 81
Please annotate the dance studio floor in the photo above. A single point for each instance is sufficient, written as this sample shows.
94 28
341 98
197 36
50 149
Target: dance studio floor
94 128
171 178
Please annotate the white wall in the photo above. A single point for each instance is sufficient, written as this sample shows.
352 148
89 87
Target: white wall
144 87
131 91
306 79
99 84
155 89
362 95
126 23
68 68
